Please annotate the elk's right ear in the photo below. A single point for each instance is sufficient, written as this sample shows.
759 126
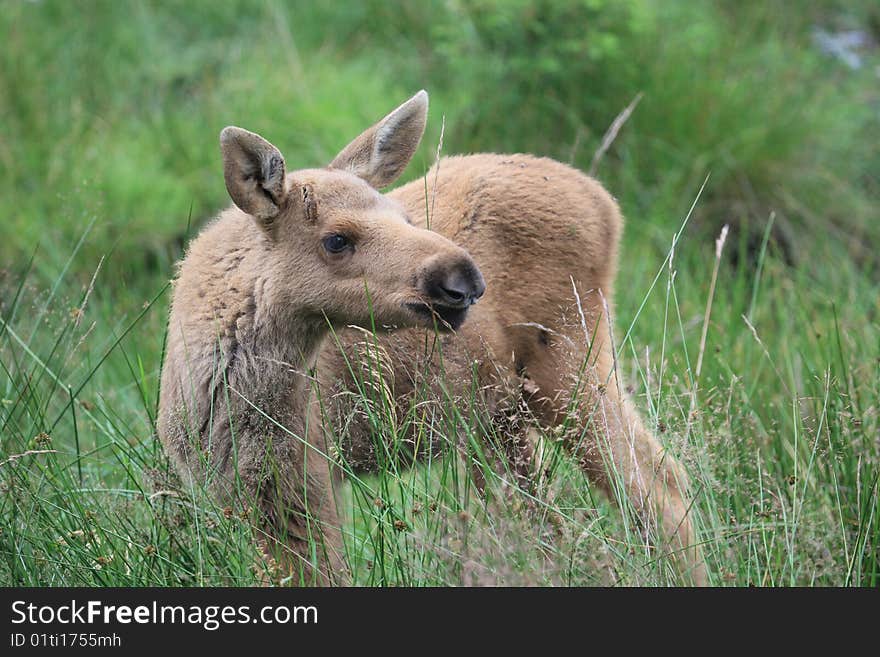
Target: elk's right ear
381 153
254 172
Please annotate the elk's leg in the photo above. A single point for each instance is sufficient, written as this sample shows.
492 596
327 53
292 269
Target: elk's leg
578 389
504 452
510 456
296 513
625 455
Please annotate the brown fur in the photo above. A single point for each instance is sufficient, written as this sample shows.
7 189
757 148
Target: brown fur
252 304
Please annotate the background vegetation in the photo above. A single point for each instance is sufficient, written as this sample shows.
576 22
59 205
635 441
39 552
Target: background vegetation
108 162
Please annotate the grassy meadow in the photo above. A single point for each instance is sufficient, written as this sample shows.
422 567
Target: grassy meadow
766 385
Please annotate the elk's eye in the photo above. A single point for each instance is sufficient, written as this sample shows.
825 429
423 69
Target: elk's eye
336 243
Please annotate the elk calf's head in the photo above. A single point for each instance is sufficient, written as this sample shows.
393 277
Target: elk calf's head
338 249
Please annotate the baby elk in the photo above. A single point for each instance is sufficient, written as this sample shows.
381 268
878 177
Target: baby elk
507 261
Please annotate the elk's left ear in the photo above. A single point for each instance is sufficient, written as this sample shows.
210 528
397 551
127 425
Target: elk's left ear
254 172
381 153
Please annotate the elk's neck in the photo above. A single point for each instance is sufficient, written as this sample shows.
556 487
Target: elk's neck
238 340
271 363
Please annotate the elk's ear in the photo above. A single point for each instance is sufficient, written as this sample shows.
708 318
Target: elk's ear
381 153
254 172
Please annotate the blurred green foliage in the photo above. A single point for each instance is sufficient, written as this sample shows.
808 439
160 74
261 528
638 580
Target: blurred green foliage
111 109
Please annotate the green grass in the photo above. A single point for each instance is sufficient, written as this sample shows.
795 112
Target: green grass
111 162
781 446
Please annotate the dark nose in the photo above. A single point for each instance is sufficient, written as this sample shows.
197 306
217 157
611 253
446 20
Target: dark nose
459 285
